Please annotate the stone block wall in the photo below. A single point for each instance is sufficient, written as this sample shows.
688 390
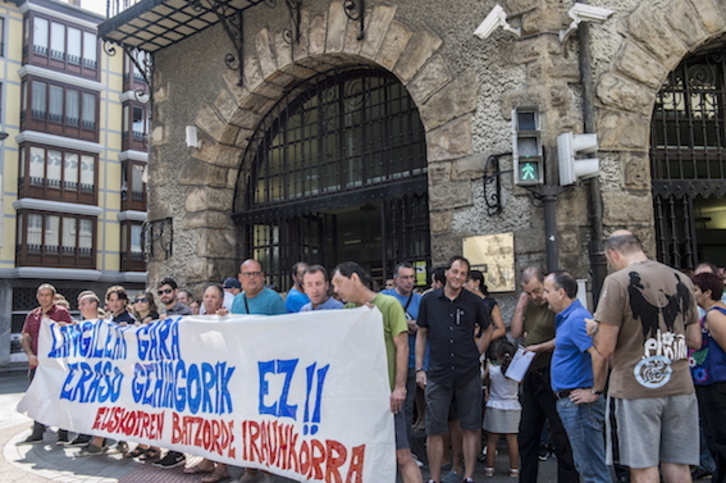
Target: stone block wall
465 89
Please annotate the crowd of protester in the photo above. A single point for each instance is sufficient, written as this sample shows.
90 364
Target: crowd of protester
655 334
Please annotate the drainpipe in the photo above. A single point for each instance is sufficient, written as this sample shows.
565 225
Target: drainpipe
598 263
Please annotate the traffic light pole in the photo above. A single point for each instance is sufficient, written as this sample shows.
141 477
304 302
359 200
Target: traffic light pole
548 195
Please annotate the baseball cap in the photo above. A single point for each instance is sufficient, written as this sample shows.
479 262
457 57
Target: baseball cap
231 283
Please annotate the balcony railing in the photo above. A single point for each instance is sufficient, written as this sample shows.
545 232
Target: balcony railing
114 7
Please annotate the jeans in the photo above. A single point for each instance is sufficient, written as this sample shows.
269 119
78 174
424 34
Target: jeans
585 427
538 406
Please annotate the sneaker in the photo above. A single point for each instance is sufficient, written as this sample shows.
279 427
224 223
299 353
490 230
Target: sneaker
32 439
451 477
699 474
543 453
418 462
62 437
78 441
468 480
91 450
171 460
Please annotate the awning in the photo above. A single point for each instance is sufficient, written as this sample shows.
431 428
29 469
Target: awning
152 25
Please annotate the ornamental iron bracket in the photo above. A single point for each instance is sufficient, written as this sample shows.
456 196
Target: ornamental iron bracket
492 177
355 10
143 63
231 20
157 239
290 35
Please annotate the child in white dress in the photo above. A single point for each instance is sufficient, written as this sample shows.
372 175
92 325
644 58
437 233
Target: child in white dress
503 410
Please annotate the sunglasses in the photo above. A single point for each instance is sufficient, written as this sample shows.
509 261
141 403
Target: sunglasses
143 299
162 292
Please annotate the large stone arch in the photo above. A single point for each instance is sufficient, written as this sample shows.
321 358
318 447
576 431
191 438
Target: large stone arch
654 41
446 106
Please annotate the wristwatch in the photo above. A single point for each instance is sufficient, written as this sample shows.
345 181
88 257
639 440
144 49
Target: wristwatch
597 393
419 369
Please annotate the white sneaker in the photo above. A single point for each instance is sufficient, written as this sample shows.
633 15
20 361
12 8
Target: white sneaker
418 462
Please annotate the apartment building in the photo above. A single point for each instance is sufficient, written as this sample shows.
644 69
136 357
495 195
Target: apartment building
73 162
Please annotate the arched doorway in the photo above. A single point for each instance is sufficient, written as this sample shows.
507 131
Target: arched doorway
336 171
688 161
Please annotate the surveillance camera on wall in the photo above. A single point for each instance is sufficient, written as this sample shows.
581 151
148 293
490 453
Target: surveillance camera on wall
581 12
589 13
496 18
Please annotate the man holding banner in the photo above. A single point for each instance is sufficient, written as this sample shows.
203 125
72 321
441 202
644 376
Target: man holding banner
29 339
352 283
256 299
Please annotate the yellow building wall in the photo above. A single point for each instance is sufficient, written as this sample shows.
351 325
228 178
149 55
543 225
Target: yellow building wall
110 125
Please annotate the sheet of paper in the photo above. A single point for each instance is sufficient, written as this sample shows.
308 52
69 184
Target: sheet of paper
519 365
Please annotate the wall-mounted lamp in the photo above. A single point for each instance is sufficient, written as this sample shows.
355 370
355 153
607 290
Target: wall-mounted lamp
192 137
581 12
496 18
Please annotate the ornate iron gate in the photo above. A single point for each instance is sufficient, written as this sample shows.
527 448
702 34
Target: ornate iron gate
341 146
688 152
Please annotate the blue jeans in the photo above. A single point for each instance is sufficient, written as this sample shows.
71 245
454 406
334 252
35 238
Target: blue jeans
585 427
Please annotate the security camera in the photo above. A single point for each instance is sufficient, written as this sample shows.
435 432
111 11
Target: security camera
3 135
496 18
588 13
581 12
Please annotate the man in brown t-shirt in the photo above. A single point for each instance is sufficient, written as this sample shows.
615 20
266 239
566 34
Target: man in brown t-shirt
647 319
536 322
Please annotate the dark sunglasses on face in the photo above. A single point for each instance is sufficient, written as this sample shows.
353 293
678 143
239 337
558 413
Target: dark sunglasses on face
143 299
167 290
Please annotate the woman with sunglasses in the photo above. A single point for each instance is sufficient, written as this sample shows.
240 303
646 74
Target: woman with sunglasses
145 311
144 308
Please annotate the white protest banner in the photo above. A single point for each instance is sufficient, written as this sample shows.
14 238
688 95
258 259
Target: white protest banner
305 396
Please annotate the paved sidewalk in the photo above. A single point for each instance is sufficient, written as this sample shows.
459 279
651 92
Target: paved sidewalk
40 463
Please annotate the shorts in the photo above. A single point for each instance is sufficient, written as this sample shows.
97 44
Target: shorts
642 423
467 398
400 422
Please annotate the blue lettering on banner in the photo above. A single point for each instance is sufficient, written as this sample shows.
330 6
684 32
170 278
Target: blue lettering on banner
173 384
159 341
100 339
279 406
91 384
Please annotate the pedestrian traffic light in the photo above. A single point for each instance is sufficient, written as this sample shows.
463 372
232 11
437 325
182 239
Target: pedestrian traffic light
573 152
527 147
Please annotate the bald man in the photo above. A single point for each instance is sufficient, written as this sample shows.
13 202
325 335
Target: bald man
647 319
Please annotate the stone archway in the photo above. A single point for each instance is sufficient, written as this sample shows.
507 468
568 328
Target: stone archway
655 40
446 105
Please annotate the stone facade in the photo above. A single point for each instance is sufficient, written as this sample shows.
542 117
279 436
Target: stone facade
465 89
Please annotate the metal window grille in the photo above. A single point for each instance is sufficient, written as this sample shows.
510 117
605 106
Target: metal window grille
343 139
688 151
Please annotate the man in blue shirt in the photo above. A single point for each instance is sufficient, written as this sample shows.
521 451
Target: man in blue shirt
296 297
317 288
404 278
255 298
578 374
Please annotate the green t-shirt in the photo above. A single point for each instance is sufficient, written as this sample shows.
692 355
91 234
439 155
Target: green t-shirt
539 325
394 323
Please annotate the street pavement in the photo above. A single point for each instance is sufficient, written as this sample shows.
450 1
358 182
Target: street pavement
48 462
